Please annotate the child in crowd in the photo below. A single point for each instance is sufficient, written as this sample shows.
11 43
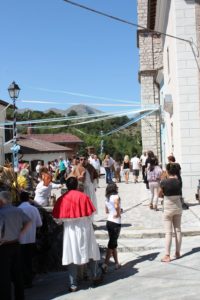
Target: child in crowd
113 209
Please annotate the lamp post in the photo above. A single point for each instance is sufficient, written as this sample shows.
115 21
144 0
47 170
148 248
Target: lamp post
13 91
102 142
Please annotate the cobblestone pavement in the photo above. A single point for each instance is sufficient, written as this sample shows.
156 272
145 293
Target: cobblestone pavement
137 215
141 246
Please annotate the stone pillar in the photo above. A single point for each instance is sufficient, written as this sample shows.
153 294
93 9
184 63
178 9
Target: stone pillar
150 50
197 15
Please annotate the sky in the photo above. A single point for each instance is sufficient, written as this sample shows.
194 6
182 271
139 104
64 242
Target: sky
64 55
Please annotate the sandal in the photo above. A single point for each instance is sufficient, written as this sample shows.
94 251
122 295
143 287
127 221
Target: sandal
177 255
166 258
117 266
155 208
104 268
73 288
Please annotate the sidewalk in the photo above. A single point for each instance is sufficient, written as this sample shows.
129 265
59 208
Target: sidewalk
141 246
138 220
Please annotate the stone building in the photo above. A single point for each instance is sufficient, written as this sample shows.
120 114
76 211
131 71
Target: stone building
3 106
174 74
150 51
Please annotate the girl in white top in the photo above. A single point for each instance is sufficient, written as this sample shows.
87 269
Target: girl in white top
113 209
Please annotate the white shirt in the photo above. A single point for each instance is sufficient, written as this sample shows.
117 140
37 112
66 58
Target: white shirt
96 164
143 159
33 213
110 204
90 159
42 192
107 163
37 169
135 161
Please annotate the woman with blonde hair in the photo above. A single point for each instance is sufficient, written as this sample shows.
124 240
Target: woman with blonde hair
126 167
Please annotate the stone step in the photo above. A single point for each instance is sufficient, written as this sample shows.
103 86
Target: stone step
134 245
145 233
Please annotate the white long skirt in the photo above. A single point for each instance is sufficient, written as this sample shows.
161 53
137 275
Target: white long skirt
79 242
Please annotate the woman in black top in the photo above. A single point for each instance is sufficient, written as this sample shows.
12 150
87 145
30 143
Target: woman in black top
171 189
126 167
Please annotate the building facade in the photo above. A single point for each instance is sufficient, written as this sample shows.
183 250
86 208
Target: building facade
178 82
150 51
3 105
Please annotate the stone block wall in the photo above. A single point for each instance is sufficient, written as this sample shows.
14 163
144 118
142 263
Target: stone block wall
197 15
142 6
150 51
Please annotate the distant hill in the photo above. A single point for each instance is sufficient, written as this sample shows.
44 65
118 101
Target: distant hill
80 109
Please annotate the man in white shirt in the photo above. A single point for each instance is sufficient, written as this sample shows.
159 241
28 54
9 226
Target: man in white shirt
96 164
38 167
91 158
135 163
28 240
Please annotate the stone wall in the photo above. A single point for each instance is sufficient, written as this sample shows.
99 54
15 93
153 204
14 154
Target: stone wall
150 50
197 13
142 6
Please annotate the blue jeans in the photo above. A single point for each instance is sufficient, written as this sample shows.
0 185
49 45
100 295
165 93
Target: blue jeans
93 271
108 175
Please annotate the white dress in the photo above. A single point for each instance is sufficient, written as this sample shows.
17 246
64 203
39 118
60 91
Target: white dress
79 242
89 189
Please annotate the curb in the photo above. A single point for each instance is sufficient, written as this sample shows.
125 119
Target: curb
144 234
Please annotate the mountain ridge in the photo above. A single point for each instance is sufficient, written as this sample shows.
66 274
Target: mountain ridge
80 109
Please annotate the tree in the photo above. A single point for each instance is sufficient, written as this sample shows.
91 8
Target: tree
126 141
72 113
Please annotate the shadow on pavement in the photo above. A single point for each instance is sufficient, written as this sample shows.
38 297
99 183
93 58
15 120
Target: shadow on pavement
128 269
145 257
193 204
53 285
103 227
194 250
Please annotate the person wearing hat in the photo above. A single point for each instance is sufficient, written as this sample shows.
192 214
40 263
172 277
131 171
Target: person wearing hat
13 224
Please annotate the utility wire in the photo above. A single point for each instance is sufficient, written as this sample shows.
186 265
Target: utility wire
134 120
102 116
125 21
81 95
76 103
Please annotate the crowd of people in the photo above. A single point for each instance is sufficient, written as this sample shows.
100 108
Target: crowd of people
76 208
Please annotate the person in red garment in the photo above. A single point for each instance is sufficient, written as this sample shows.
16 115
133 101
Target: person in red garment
75 209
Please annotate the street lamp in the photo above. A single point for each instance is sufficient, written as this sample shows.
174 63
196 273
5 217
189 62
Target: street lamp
13 91
102 142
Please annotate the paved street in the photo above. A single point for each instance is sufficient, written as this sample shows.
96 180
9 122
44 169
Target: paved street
141 246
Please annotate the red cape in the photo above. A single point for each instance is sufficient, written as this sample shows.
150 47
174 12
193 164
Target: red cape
73 204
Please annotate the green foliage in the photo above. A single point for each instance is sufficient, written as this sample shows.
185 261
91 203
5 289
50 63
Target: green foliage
72 113
127 141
